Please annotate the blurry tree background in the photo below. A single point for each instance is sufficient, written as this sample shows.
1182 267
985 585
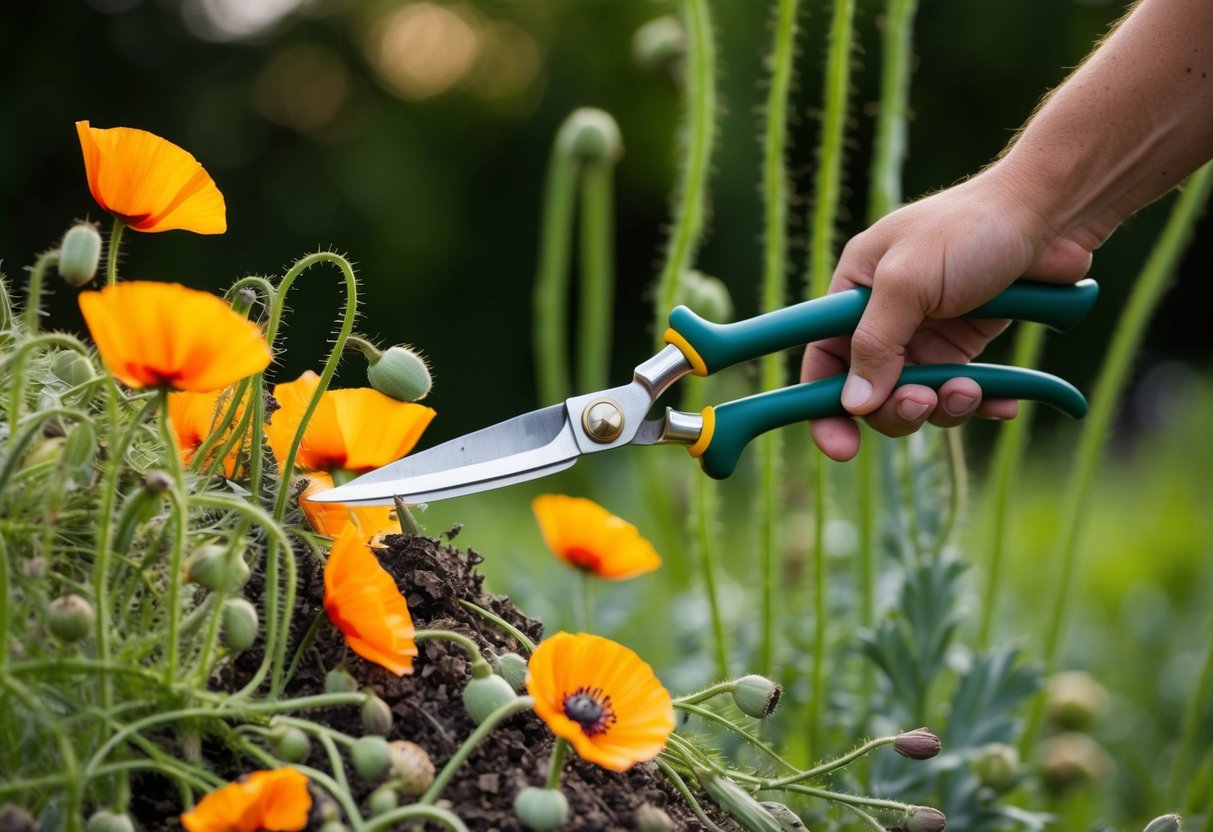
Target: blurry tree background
413 135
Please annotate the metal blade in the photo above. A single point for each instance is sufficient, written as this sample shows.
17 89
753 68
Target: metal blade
523 448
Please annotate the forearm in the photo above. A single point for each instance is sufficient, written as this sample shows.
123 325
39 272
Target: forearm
1124 128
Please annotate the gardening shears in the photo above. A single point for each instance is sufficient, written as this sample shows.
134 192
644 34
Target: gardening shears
552 439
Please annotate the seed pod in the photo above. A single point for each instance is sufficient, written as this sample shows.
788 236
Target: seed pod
650 818
484 695
1165 823
376 715
401 373
1073 759
707 296
14 818
919 744
757 696
218 568
997 766
1075 700
338 681
541 809
80 448
289 744
590 135
737 802
240 624
659 44
103 820
156 481
72 368
512 668
925 819
70 617
80 254
788 820
371 757
412 766
383 799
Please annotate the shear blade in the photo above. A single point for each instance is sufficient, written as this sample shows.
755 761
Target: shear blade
523 448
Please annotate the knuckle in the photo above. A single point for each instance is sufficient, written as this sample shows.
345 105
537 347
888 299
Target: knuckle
868 343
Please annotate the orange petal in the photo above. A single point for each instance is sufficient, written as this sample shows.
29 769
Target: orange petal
377 429
164 334
193 417
323 447
585 535
149 183
276 800
330 519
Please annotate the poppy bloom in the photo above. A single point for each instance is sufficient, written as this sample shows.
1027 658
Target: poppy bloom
602 698
163 334
363 602
330 519
194 417
585 535
355 429
276 800
149 183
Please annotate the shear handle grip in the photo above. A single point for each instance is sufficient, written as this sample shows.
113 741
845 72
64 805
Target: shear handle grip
710 347
733 425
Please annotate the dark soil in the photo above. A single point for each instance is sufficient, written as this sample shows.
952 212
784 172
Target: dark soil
428 710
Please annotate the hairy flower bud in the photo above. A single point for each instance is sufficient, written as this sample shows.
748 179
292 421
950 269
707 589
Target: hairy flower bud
541 809
788 820
1075 700
707 296
80 254
1165 823
289 743
70 617
512 668
925 819
376 715
590 135
412 766
72 368
240 624
218 568
103 820
740 805
757 696
80 448
650 818
371 757
659 44
484 695
997 766
401 373
919 744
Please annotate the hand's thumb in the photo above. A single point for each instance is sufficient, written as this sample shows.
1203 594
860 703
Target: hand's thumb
878 346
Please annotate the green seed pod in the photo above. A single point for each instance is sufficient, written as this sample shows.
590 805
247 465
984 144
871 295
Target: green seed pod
650 818
590 135
103 820
484 695
997 766
737 802
376 715
339 681
1075 700
240 625
289 744
512 668
412 766
401 373
659 44
80 448
925 819
79 254
218 568
383 799
72 368
757 696
541 809
919 744
70 617
371 757
788 820
707 296
1165 823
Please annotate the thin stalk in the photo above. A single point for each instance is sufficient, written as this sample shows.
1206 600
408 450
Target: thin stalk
727 686
559 750
550 300
221 422
690 209
597 276
681 787
415 811
585 601
513 631
1151 285
866 819
178 500
821 615
202 670
4 608
850 799
831 765
958 494
729 725
112 251
33 303
480 667
889 142
1198 707
522 703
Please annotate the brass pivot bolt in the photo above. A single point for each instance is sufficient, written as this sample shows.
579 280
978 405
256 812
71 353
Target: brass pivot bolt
602 420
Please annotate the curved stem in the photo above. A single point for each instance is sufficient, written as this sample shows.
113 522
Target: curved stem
681 787
522 703
433 814
480 667
728 725
727 686
832 765
849 799
33 303
112 251
513 631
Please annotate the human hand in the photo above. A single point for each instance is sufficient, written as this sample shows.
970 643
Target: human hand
928 263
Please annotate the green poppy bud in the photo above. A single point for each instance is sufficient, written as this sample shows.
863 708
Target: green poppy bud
80 254
1075 700
788 820
80 448
70 618
707 296
659 44
103 820
1165 823
412 766
541 809
376 715
757 696
218 568
512 668
740 805
997 766
339 681
72 368
383 799
240 624
919 744
590 135
371 757
482 696
289 744
925 819
244 300
650 818
401 373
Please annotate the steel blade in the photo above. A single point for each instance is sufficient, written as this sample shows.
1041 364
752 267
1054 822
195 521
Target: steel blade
519 449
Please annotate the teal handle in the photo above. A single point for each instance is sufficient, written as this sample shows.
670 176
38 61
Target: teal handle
738 422
722 345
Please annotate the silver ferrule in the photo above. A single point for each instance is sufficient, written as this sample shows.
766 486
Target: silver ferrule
681 428
662 370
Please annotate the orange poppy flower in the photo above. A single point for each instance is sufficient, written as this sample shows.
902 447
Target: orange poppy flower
363 602
330 519
163 334
150 183
356 429
601 697
194 416
585 535
276 800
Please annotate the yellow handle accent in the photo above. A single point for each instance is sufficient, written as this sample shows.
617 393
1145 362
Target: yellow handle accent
705 435
698 366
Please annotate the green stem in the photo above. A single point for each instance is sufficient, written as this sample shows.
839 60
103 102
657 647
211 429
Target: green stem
1198 707
522 703
597 276
889 142
112 252
831 765
33 303
4 608
513 631
178 500
202 669
559 750
866 819
1151 285
850 799
221 422
700 131
480 668
433 814
550 299
12 366
866 558
727 686
729 725
585 601
821 615
681 787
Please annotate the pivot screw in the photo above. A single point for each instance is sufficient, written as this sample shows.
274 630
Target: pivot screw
602 420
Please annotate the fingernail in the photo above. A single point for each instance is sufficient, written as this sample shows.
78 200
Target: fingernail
958 404
911 410
856 392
